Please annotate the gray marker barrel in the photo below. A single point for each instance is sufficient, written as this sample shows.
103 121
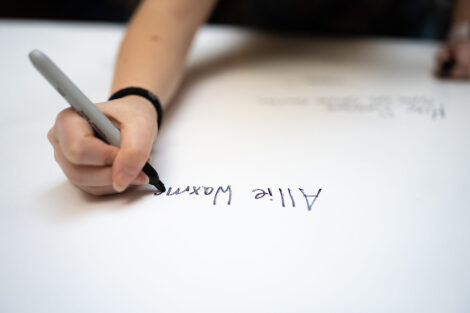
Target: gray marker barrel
75 97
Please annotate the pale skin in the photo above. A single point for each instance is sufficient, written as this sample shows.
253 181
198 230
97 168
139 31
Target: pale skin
162 31
459 49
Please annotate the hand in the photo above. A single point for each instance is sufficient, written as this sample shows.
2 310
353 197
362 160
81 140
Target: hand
459 51
95 166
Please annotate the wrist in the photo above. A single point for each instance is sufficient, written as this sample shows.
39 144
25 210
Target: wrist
141 93
141 102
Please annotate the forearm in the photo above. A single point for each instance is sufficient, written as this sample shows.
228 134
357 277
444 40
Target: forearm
461 11
153 51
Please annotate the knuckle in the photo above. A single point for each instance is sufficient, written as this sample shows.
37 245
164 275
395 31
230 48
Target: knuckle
76 153
62 115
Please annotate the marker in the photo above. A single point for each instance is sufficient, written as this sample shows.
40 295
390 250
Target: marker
103 127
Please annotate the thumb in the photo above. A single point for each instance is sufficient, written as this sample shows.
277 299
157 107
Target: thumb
137 136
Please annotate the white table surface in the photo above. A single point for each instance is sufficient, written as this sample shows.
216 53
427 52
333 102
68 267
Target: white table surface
362 119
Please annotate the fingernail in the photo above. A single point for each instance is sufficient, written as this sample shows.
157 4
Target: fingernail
142 179
121 181
118 188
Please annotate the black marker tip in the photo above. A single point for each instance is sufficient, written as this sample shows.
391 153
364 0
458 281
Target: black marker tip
159 185
153 177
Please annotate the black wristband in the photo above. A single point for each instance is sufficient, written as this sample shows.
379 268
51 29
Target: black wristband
147 94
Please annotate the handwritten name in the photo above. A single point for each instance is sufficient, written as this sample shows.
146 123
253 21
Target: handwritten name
385 106
214 192
284 197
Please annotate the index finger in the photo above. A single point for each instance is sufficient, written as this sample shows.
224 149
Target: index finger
78 142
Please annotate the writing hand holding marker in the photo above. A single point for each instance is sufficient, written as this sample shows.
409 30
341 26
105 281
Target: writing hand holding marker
91 164
453 60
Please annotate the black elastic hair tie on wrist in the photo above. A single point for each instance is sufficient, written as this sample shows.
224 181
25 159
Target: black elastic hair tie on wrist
147 94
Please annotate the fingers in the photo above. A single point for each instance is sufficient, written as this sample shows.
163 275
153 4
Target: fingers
454 60
95 166
99 191
89 176
109 189
84 175
78 143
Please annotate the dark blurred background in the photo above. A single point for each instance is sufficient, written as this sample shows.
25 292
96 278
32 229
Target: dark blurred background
397 18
